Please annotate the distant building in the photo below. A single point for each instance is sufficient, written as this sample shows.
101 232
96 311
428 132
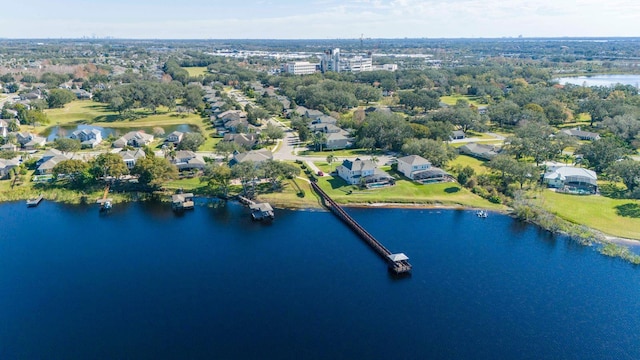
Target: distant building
582 135
256 156
300 68
457 135
486 152
332 60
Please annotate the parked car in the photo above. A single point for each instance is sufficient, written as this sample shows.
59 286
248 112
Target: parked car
320 173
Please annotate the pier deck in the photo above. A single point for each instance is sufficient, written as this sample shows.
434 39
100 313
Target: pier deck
397 262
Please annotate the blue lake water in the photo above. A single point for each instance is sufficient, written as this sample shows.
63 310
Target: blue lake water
144 283
601 80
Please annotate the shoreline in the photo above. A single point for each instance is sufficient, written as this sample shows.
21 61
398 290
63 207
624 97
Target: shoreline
77 198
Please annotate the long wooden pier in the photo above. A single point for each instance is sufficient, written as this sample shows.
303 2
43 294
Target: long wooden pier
397 262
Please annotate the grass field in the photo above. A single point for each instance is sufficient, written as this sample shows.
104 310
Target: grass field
196 70
597 212
405 192
90 112
463 160
452 99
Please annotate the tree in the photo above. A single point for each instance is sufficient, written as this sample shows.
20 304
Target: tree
274 171
389 130
626 126
628 171
193 97
191 141
218 175
245 171
152 171
330 159
75 171
273 132
57 98
319 140
12 88
67 145
226 148
465 173
108 165
435 151
601 153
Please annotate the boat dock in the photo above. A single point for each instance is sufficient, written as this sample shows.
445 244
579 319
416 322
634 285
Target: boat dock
34 202
398 263
182 201
259 211
105 203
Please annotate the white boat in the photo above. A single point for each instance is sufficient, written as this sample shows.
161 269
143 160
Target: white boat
482 213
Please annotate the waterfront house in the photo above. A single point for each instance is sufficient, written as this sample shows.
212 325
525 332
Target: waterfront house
420 169
187 160
133 138
571 179
89 138
174 138
481 151
363 172
6 165
46 166
130 157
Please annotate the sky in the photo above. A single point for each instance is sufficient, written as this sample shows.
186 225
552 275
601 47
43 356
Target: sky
317 19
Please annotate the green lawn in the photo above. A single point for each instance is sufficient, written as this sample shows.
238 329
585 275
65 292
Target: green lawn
463 160
597 212
452 99
405 192
90 112
196 70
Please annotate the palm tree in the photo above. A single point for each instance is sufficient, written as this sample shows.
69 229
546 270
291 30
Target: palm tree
374 159
330 159
319 139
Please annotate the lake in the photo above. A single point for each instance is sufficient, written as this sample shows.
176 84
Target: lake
57 131
601 80
145 283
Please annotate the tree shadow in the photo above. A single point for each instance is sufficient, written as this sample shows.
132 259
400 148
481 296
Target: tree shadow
452 190
107 118
628 210
336 182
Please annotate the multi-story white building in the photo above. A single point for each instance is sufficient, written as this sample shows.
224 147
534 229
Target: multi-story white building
299 68
333 61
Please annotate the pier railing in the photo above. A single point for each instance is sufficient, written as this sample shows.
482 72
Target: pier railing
399 266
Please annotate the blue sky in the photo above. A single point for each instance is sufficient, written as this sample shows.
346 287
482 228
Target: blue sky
319 19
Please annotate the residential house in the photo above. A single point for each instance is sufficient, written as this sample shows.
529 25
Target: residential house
6 165
582 135
48 162
325 128
420 169
257 156
481 151
247 141
337 141
325 119
457 135
89 138
133 138
187 160
571 179
82 94
174 138
411 164
130 157
29 141
360 172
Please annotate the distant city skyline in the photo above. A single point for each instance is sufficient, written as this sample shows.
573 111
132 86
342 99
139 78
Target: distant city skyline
318 19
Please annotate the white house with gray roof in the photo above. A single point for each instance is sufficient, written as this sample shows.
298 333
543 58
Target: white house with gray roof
130 157
572 178
257 156
87 137
359 172
133 138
